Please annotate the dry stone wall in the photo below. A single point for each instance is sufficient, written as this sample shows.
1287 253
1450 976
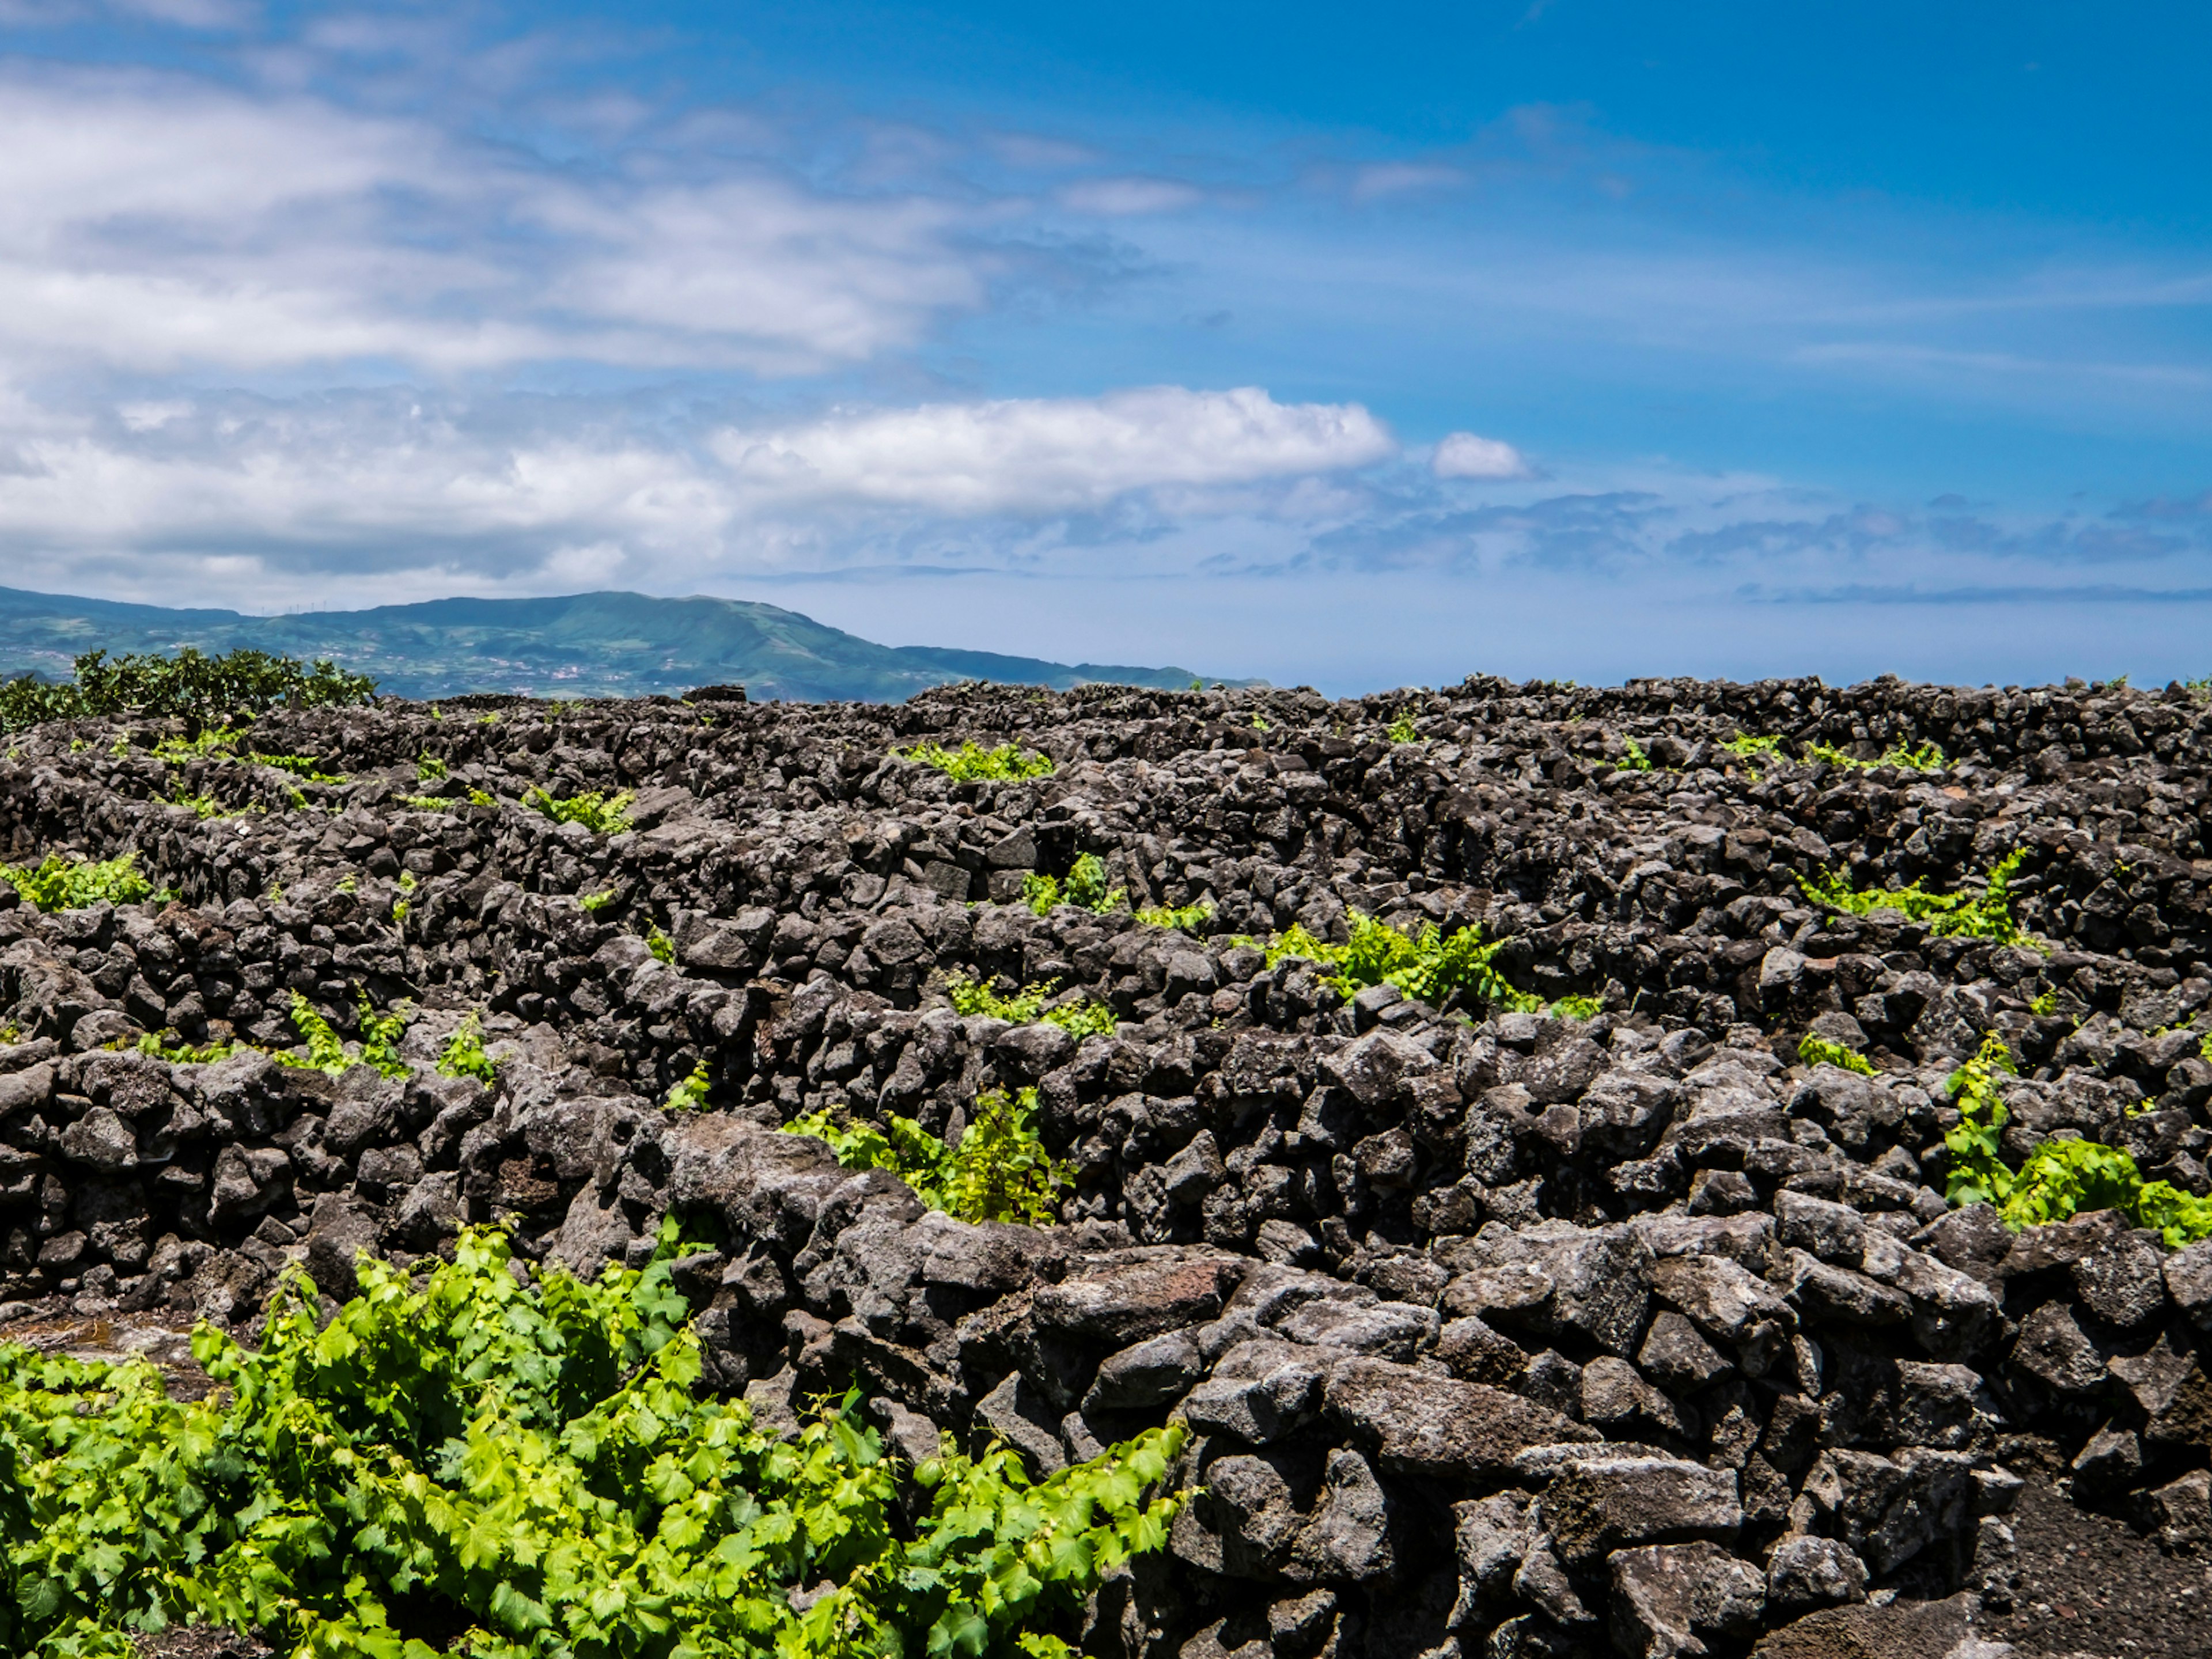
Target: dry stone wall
1497 1334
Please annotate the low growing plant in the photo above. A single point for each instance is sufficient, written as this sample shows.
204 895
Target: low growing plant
463 1054
595 903
1818 1051
1026 1007
602 814
60 883
1926 758
1085 887
1633 759
521 1472
971 763
2059 1178
1000 1171
1183 918
689 1091
1401 730
1986 914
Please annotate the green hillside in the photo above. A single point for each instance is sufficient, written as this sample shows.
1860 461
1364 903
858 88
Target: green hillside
580 645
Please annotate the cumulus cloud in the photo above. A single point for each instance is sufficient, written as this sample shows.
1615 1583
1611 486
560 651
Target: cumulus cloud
1464 455
1054 454
154 222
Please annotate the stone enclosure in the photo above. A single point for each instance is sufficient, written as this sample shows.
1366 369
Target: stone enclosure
1496 1334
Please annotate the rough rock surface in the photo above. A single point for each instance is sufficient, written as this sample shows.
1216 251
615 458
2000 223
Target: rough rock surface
1507 1335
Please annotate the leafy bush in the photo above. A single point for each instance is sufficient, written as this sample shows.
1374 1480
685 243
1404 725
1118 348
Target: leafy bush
185 1054
689 1092
662 946
1926 758
597 813
970 761
448 803
1427 964
1744 746
595 903
999 1171
529 1471
1183 918
2059 1178
1986 914
1633 759
1026 1007
1818 1051
188 685
1401 730
465 1055
60 883
429 769
1577 1007
1085 887
299 766
326 1051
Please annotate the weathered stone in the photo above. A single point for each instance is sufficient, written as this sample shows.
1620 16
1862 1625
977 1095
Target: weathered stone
1814 1572
1665 1596
2052 1349
1596 1504
1420 1424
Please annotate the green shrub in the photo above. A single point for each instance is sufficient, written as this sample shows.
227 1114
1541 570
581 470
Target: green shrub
185 1054
326 1051
429 769
465 1055
1633 759
595 903
1401 730
662 946
529 1471
1577 1007
299 766
187 685
1986 914
1753 752
205 806
1085 887
970 761
1926 758
689 1092
2059 1178
1183 918
1026 1007
60 883
603 815
1001 1170
1818 1051
1425 964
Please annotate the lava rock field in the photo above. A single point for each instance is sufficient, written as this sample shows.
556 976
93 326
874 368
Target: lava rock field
1496 1334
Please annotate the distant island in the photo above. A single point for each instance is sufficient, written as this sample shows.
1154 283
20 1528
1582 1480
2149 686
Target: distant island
578 645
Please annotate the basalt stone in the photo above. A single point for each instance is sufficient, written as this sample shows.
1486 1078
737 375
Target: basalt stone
1386 1263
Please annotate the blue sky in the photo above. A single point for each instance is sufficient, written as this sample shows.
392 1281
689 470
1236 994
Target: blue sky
1354 349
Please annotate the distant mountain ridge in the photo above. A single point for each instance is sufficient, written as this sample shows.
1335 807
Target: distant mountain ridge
580 644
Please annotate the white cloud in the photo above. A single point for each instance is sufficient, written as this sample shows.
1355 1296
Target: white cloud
1128 197
1386 179
1058 454
1464 455
155 223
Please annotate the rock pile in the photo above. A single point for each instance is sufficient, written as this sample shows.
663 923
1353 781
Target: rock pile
1497 1334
